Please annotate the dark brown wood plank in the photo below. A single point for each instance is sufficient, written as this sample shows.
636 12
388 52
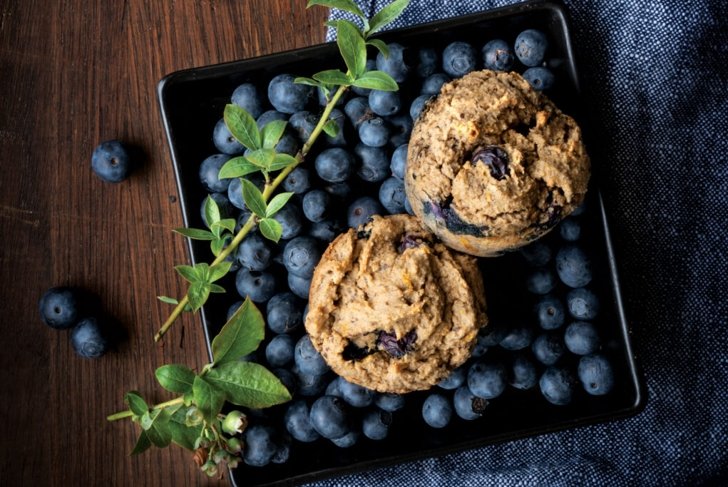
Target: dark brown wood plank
75 73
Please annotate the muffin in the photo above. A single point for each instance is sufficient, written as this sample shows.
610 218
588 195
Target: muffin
393 309
493 164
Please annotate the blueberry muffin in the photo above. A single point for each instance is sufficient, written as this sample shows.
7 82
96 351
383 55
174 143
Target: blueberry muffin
393 309
493 164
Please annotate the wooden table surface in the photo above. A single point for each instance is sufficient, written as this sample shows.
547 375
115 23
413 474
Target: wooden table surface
73 74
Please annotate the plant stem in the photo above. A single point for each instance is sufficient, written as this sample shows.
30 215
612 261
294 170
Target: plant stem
267 192
129 414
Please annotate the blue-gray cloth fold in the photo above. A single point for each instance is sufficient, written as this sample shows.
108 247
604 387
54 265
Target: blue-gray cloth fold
654 75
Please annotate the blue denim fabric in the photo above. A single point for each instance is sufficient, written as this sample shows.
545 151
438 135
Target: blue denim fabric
654 75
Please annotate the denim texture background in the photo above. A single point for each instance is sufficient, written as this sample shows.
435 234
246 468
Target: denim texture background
654 77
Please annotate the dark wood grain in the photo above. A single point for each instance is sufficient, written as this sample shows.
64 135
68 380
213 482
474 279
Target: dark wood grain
72 74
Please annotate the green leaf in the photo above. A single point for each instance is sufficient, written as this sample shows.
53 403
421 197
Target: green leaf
175 378
228 224
380 45
261 158
331 128
182 434
142 444
187 271
219 270
376 80
272 132
217 245
248 384
237 167
281 161
136 404
168 300
333 77
302 80
208 398
242 126
216 288
240 336
212 211
197 294
270 229
278 202
195 233
158 432
385 16
346 5
352 47
253 198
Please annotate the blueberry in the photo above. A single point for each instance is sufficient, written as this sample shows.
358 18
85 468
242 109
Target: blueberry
523 373
242 219
279 351
539 78
495 158
326 230
356 395
348 440
334 387
334 165
340 190
283 450
498 55
437 410
408 207
541 281
487 380
110 161
375 424
454 380
395 64
89 338
428 62
223 204
303 123
385 103
284 313
224 140
517 338
582 304
269 116
573 266
357 110
309 385
235 194
374 132
398 163
467 405
260 445
548 348
209 170
536 254
418 104
316 205
361 210
340 119
458 59
254 253
570 229
581 338
288 144
557 385
287 96
301 255
291 221
330 417
247 97
433 84
308 359
59 307
371 66
389 402
259 286
373 163
400 129
298 181
480 347
493 334
299 285
596 374
298 423
530 47
392 196
232 309
550 313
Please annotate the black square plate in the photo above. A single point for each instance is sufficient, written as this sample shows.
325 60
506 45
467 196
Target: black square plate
192 101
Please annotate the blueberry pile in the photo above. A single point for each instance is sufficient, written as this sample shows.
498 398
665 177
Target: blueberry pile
347 179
